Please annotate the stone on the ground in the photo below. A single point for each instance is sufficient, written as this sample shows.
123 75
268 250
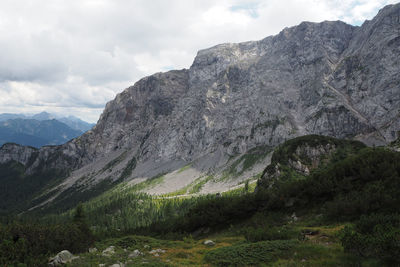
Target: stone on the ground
135 253
109 251
156 252
92 250
209 243
61 258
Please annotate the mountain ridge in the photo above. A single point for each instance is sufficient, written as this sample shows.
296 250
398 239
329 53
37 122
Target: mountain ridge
326 78
72 121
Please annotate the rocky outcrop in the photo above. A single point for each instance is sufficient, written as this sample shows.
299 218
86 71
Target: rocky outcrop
326 78
299 156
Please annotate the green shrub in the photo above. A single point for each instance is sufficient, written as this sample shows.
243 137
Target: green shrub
32 243
268 233
252 254
376 235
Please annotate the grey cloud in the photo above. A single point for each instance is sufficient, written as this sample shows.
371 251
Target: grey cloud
81 53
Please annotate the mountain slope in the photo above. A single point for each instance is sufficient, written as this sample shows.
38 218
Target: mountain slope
326 78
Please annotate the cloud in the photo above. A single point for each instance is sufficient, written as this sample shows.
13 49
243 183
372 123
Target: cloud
72 57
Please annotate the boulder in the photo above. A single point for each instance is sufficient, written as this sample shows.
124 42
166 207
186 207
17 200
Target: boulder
209 243
108 251
135 253
156 252
92 250
61 258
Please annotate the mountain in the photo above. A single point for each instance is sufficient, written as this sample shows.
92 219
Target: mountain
76 123
43 116
40 129
72 121
221 117
36 133
10 116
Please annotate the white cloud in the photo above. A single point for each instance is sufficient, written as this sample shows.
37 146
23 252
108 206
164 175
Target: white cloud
72 57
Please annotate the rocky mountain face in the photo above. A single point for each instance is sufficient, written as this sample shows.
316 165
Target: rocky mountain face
326 78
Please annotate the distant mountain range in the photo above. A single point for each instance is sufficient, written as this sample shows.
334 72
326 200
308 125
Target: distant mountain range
40 129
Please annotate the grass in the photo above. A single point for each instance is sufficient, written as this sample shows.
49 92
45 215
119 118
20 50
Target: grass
199 185
245 162
184 168
192 188
149 183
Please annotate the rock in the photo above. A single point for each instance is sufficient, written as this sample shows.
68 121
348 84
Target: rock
294 218
61 258
146 246
157 251
117 265
108 251
101 265
209 243
92 250
135 253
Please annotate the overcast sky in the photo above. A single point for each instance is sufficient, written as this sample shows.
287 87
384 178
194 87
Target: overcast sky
73 56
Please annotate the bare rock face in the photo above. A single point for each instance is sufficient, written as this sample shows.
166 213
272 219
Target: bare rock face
326 78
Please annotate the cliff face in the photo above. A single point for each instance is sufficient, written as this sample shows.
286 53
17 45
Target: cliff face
325 78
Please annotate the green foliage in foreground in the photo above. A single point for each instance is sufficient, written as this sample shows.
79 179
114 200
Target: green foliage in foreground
361 184
251 254
269 233
33 243
376 235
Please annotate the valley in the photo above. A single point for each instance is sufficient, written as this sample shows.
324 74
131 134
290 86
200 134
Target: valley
278 152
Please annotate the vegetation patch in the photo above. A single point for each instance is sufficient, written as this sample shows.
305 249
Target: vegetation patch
245 162
128 169
252 254
375 235
196 188
114 162
184 168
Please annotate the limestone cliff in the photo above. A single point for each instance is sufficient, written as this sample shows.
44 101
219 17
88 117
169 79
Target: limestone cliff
326 78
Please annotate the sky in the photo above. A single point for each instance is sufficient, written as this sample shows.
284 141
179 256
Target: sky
70 57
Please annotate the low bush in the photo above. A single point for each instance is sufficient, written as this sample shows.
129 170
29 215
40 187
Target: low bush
252 254
376 235
268 233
